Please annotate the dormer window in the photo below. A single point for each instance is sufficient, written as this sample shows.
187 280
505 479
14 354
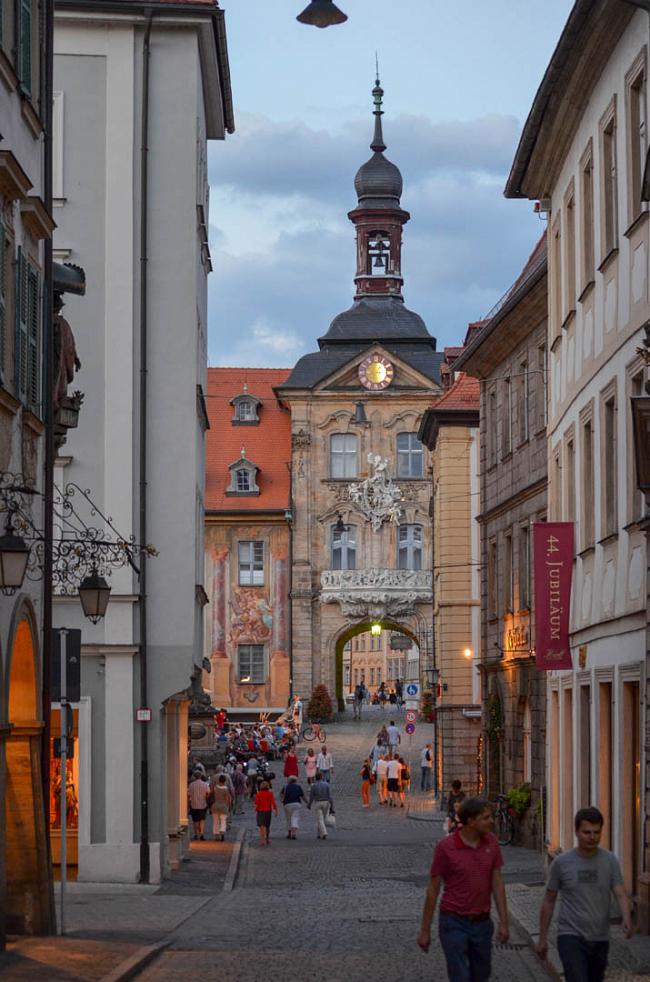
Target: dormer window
246 409
243 478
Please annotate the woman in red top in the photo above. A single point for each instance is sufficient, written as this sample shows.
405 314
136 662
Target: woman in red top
265 804
291 764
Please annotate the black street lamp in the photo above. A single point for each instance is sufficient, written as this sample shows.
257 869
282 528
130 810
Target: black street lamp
94 593
322 13
14 555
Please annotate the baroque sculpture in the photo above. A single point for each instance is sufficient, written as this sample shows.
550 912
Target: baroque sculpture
377 498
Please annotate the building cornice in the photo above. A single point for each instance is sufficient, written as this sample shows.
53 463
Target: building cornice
514 499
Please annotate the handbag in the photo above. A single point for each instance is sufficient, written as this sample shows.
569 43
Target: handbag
330 821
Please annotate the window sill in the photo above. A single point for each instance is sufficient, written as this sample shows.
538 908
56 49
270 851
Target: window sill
522 443
245 422
638 222
242 494
587 551
587 290
612 537
569 319
608 260
245 685
31 117
506 456
555 343
252 586
634 525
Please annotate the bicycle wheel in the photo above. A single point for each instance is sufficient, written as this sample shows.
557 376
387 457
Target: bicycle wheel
503 827
309 734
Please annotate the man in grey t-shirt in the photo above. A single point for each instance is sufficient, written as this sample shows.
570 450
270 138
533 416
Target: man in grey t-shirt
586 877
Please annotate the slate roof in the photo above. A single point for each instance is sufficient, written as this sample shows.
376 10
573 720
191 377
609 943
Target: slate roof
268 445
377 319
378 183
313 368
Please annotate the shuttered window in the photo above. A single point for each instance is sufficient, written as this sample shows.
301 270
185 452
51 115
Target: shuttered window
20 343
3 300
25 46
33 341
27 361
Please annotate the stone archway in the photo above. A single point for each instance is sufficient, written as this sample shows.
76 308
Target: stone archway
352 630
29 899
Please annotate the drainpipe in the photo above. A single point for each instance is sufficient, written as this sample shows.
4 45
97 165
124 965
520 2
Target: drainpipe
289 518
47 69
144 259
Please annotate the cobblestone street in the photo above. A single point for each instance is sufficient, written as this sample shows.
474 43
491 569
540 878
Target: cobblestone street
346 908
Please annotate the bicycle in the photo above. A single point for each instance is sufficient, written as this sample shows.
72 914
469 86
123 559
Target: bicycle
313 731
504 826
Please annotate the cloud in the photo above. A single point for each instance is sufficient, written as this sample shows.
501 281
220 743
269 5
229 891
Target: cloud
284 266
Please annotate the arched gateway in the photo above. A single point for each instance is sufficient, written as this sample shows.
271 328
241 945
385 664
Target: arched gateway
352 631
360 477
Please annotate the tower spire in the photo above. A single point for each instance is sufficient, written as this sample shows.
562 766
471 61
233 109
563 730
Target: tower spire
377 144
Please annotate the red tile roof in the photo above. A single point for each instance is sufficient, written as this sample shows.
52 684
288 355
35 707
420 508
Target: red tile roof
268 445
465 393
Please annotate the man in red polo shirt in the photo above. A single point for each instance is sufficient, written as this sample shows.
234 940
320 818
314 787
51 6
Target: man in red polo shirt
468 864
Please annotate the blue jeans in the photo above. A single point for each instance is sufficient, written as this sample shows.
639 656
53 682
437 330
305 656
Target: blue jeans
582 961
425 782
326 776
467 946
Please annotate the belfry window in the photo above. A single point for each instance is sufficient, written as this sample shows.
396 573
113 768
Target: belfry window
378 253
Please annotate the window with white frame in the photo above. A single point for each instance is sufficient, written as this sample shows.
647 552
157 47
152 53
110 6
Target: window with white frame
636 94
523 401
609 466
609 182
409 455
569 251
251 563
343 455
587 217
524 568
243 479
344 547
506 419
636 498
587 479
409 547
251 663
541 389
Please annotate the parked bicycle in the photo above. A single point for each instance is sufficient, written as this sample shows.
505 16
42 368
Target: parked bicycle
313 731
504 826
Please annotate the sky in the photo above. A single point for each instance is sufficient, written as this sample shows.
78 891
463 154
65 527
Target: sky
458 78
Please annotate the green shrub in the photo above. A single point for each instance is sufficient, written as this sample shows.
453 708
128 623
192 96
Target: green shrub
519 799
320 707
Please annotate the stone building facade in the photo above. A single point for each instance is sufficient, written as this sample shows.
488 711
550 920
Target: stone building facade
361 479
583 152
450 429
247 542
508 357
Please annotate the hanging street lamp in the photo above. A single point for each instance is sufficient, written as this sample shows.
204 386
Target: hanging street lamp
14 555
94 594
322 13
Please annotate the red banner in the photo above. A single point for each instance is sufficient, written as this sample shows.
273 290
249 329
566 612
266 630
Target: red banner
553 567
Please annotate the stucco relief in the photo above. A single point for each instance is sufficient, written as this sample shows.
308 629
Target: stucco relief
377 498
376 593
252 618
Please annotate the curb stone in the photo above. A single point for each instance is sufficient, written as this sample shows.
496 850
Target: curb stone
233 868
133 965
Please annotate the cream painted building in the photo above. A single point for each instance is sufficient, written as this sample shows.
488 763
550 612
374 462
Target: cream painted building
582 152
450 429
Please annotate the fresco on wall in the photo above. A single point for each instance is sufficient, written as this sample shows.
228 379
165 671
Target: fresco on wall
220 559
252 618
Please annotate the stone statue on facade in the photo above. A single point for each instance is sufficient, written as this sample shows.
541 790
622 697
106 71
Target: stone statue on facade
377 498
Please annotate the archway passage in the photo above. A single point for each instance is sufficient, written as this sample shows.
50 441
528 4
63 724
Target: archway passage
28 884
363 627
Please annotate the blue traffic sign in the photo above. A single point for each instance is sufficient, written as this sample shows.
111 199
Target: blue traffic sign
410 728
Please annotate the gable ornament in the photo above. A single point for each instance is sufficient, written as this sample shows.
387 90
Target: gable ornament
377 498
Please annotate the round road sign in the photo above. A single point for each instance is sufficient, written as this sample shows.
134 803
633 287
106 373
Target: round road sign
410 716
410 728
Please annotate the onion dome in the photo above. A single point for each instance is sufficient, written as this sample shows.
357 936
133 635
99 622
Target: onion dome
378 182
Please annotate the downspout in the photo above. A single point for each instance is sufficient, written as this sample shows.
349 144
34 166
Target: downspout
290 517
47 85
142 597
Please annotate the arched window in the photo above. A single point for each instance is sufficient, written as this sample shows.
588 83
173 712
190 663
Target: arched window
344 547
409 549
409 455
343 455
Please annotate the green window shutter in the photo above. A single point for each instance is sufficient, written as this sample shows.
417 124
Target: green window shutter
33 338
25 46
20 346
3 295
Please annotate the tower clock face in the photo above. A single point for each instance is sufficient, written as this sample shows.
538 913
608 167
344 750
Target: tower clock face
375 372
